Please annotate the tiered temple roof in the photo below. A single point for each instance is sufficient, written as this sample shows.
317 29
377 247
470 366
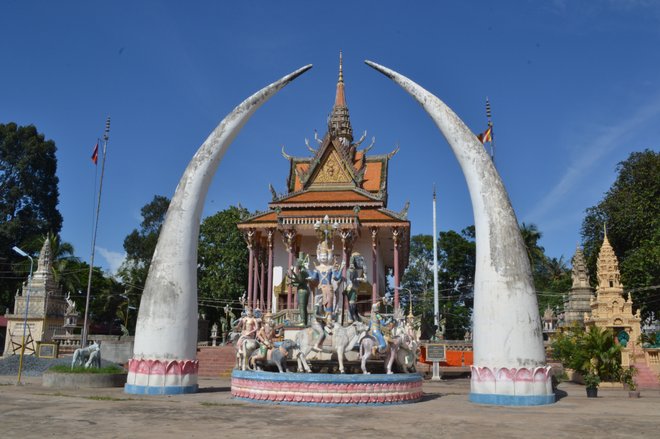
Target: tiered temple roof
340 179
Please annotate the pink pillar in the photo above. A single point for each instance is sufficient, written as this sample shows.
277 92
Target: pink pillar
269 292
262 290
395 239
374 265
255 283
250 243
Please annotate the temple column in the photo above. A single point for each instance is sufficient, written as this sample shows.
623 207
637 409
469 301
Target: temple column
249 238
255 282
269 292
289 238
395 239
374 264
262 289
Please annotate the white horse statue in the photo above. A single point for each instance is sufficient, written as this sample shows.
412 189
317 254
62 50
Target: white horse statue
343 340
88 357
402 349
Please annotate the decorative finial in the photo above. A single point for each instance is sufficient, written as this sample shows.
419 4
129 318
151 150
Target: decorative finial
341 71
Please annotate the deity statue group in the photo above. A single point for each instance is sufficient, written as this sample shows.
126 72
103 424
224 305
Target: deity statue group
391 337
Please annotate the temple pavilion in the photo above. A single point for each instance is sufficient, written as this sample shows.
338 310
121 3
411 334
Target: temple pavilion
339 184
610 309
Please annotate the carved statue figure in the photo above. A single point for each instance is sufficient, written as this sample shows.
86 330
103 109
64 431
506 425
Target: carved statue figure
274 356
324 274
355 274
376 323
265 337
71 305
343 339
321 325
401 349
88 356
299 278
247 341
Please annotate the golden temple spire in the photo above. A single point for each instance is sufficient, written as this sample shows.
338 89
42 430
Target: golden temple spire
339 123
340 98
608 266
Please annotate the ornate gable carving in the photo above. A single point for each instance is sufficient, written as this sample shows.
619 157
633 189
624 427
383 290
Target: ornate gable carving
332 172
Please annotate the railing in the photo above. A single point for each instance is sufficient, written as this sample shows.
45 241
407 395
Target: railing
287 317
306 220
653 359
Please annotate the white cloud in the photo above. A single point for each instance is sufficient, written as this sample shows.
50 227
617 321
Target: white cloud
592 151
113 259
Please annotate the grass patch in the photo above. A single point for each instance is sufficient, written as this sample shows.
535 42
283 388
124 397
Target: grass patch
63 368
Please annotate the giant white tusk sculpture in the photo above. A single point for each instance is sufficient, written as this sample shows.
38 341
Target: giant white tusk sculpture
164 356
509 358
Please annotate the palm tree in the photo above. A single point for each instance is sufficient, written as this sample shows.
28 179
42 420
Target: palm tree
62 256
531 236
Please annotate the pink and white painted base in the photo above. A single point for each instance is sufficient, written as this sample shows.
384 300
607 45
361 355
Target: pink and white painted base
511 381
326 393
162 373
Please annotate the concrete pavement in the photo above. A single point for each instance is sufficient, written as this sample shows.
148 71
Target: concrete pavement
33 411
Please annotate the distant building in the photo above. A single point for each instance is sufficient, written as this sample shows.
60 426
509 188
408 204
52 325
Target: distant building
46 309
578 302
609 309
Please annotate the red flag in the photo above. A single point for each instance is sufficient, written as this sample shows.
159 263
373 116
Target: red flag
486 136
95 154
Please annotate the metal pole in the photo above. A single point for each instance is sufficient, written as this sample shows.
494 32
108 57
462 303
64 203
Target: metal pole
436 306
106 136
27 306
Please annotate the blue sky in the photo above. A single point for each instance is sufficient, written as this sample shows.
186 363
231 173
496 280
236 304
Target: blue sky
574 86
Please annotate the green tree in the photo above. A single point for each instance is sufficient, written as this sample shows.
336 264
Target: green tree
222 259
456 261
28 199
418 278
140 245
631 211
531 236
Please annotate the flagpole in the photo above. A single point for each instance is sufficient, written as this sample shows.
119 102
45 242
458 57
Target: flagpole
436 306
106 136
492 133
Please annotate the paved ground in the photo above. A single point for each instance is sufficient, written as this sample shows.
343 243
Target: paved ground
32 411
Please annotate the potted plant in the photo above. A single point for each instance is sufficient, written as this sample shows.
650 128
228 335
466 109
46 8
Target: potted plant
591 382
592 353
627 378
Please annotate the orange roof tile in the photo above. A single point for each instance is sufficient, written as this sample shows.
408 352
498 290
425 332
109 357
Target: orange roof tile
301 167
372 176
326 196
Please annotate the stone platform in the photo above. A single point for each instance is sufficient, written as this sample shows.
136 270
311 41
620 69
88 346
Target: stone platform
326 389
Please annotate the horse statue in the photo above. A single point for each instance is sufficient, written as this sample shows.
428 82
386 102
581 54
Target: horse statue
343 340
87 357
275 356
250 346
401 351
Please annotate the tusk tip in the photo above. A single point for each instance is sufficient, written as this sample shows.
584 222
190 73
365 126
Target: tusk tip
298 72
384 70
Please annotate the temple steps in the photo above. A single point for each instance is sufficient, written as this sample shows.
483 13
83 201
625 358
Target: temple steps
646 378
216 361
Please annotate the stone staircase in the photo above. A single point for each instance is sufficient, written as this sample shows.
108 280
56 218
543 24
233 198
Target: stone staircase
646 378
215 361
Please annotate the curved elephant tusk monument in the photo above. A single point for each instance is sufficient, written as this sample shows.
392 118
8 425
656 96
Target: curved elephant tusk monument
164 356
509 358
